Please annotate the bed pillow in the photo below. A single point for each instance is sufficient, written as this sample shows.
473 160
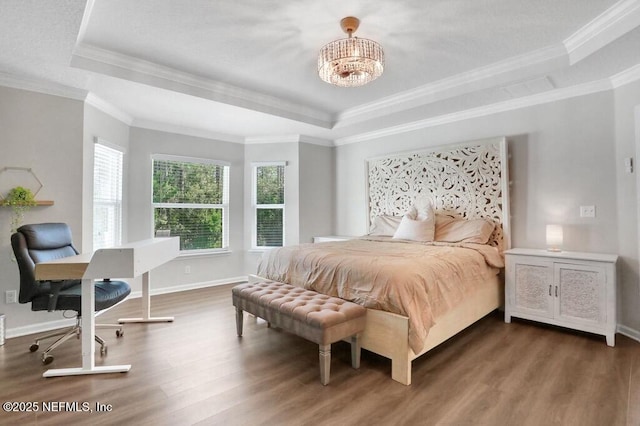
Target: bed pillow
415 229
457 230
418 224
385 225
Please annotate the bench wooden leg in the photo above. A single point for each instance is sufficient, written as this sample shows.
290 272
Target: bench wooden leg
355 351
325 363
239 321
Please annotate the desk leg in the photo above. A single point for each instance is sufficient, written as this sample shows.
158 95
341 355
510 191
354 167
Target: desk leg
88 340
146 306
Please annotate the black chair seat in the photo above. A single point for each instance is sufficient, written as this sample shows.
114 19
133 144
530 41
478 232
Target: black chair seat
108 293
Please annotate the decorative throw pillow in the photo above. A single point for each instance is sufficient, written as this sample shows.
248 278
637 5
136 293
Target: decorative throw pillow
457 230
418 224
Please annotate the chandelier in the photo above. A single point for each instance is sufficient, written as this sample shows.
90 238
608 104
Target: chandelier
352 61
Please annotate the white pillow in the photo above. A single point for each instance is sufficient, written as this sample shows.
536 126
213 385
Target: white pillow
415 229
419 223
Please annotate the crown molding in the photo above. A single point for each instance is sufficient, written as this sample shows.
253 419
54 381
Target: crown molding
505 106
288 139
118 65
256 140
187 131
316 141
108 108
614 22
476 79
627 76
42 86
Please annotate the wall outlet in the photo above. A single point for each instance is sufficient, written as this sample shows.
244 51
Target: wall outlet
11 296
587 211
187 269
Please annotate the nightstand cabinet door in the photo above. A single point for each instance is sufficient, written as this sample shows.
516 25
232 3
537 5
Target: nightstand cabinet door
581 293
531 282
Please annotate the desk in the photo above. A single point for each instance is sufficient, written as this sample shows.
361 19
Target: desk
126 261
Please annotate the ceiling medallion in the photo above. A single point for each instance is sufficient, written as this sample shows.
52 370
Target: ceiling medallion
352 61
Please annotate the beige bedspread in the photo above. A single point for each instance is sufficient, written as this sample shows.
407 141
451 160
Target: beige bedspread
419 280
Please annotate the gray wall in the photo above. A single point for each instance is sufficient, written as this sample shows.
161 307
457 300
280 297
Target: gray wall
563 155
317 186
97 124
627 124
44 133
204 268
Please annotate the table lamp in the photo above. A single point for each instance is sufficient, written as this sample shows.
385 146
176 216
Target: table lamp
554 237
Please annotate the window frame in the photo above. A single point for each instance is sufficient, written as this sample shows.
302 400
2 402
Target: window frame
255 206
224 206
118 202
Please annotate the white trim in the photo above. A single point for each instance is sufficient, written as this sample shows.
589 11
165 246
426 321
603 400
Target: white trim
53 325
184 159
100 141
627 76
42 86
39 327
187 131
254 140
119 65
191 286
86 16
251 140
512 104
629 332
450 84
268 163
614 22
108 108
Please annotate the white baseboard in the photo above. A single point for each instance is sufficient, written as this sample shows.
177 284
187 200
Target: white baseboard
629 332
190 286
39 328
52 325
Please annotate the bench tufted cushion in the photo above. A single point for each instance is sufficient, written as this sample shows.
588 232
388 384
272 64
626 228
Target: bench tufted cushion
317 317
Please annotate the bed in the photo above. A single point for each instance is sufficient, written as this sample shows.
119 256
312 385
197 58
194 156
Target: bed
418 294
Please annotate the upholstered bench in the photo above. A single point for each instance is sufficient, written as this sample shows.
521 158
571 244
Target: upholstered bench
316 317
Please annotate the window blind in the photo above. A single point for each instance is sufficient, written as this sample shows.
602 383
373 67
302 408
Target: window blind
107 197
269 204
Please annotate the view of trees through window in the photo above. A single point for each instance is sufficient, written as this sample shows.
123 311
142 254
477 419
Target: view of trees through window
190 200
269 205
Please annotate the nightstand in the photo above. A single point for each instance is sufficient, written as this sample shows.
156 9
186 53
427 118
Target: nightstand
567 289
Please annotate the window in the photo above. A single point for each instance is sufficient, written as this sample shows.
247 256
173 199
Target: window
191 200
107 196
268 203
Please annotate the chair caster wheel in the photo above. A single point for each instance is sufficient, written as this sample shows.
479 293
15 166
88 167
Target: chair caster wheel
119 333
34 347
47 359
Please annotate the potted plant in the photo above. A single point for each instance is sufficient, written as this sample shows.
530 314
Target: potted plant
20 200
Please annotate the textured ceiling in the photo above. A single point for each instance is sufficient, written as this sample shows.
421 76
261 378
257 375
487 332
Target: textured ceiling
248 68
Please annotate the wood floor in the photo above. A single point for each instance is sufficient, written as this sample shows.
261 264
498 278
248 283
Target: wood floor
197 371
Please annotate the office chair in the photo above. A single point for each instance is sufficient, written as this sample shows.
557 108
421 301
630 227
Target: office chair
48 241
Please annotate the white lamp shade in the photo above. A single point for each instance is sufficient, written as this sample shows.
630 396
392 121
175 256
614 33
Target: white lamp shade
554 237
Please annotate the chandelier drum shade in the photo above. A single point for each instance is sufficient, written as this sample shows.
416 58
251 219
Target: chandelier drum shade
352 61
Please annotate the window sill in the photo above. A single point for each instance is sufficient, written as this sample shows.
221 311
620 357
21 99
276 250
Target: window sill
207 253
261 250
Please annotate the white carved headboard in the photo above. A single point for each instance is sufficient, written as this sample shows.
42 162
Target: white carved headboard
468 180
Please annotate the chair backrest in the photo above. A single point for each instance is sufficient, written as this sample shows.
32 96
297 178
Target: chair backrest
39 243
